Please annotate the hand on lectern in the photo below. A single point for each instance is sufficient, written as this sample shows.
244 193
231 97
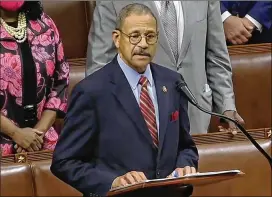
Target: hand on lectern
128 178
179 172
231 127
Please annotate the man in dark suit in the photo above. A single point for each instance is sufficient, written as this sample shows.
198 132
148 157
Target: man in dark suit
126 122
247 22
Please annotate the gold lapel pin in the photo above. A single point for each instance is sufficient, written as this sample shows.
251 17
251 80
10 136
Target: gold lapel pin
164 89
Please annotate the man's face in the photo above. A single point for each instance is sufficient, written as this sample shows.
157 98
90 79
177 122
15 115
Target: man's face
137 54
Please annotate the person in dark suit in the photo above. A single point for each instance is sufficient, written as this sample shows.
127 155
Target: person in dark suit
247 22
126 122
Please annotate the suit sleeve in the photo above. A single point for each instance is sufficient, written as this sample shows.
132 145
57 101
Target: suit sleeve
222 7
262 12
101 49
188 154
218 67
74 152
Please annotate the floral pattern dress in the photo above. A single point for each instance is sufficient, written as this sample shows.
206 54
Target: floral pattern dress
52 73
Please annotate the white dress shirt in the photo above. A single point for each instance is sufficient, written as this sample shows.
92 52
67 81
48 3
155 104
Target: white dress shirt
180 20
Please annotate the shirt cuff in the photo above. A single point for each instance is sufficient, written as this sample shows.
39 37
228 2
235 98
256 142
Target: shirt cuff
256 23
225 15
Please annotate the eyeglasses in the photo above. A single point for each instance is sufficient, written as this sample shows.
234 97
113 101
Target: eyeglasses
135 38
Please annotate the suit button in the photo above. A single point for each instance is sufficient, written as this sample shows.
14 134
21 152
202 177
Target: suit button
158 173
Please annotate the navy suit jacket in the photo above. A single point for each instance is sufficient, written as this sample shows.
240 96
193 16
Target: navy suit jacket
105 134
259 10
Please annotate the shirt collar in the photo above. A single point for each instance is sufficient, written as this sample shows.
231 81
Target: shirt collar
133 76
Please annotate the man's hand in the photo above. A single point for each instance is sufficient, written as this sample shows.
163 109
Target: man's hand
129 178
29 139
179 172
235 31
232 127
248 24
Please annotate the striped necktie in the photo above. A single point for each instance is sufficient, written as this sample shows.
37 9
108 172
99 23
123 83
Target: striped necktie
148 110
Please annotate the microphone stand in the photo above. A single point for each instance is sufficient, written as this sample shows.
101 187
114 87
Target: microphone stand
251 139
181 86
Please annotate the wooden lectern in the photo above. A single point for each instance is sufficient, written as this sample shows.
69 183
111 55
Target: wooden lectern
174 187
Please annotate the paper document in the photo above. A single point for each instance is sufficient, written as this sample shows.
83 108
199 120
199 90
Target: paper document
213 173
199 174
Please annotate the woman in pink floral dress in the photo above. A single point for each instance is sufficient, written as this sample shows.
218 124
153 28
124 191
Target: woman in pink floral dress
33 78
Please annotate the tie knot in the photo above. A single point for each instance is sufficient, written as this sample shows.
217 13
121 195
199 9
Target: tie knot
165 3
143 81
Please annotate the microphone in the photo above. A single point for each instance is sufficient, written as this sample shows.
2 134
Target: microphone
182 87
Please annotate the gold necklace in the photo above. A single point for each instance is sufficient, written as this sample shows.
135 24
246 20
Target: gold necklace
19 32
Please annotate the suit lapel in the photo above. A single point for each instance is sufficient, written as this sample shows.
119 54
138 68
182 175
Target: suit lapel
187 31
123 93
163 103
163 42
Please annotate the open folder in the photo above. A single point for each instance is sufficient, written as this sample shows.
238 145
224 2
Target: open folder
146 183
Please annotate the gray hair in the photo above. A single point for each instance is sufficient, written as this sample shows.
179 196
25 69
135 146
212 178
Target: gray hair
135 8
